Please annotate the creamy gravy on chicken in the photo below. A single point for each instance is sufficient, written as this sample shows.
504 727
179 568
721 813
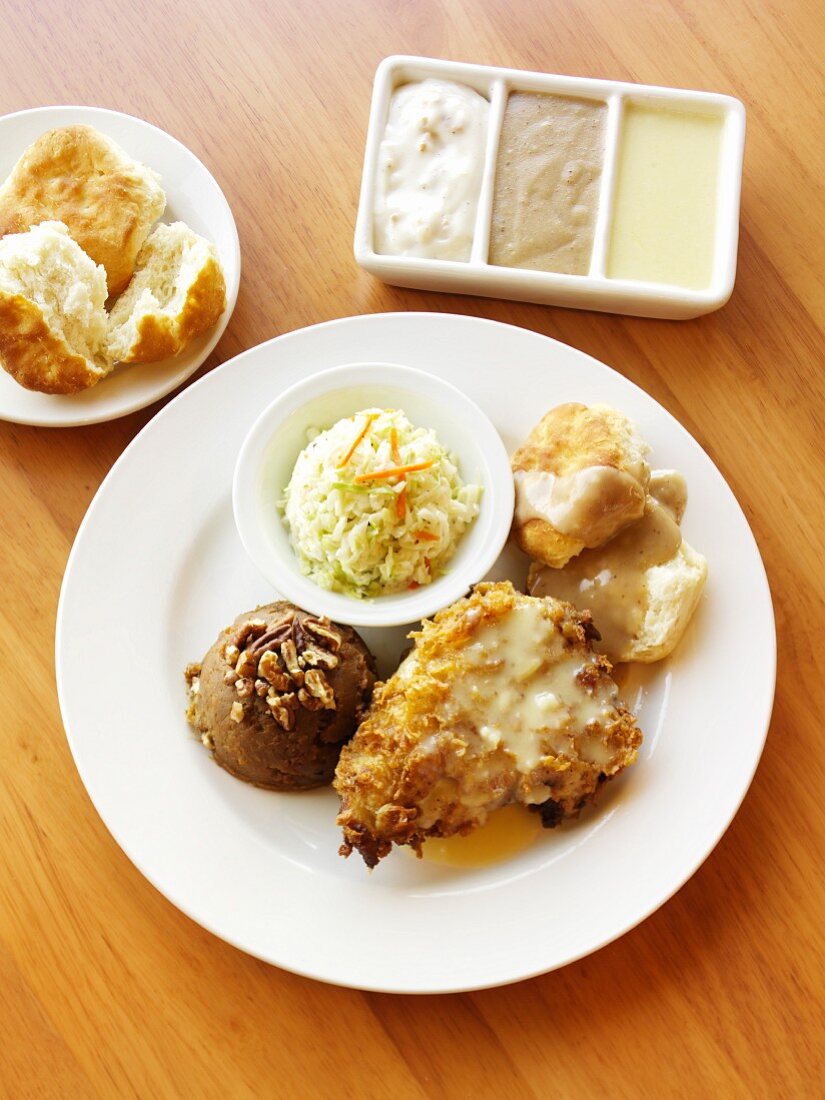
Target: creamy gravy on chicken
610 580
521 692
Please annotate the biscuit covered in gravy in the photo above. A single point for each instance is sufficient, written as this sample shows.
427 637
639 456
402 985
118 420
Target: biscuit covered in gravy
580 477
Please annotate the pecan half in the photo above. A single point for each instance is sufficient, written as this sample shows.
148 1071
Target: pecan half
289 654
322 628
252 628
274 635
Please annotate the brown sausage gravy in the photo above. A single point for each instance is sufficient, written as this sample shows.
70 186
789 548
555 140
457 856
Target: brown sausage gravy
610 580
547 183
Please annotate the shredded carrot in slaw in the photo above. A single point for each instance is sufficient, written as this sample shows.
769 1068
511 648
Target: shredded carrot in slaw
394 451
425 536
401 502
394 471
358 438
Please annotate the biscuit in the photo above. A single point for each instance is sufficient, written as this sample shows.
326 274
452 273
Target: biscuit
673 591
177 292
642 587
82 178
580 477
52 311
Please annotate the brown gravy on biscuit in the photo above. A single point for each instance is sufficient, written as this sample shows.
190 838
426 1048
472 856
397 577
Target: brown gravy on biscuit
610 580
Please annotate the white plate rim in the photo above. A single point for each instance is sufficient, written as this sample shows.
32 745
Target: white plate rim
176 379
745 779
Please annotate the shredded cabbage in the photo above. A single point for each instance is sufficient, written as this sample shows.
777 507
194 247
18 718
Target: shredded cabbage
366 536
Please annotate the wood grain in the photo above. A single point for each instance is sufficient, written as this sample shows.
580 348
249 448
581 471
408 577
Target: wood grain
108 991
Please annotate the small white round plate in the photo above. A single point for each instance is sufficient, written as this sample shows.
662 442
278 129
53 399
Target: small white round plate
192 196
157 570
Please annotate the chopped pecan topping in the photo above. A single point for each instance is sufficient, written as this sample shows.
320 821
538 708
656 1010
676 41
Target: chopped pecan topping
322 628
244 687
316 685
269 668
309 702
247 665
289 654
192 674
283 709
252 628
274 634
284 717
282 663
318 658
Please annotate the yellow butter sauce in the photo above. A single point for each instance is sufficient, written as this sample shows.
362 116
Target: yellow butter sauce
664 213
507 832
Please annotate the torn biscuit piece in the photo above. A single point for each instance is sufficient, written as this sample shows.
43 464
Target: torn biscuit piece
177 292
643 586
52 311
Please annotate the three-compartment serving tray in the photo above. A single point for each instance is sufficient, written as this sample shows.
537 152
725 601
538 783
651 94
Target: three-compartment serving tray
597 289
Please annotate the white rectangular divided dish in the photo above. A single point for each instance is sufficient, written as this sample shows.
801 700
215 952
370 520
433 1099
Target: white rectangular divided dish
596 289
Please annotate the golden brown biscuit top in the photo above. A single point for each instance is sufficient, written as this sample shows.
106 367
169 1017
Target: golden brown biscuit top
581 473
76 175
571 437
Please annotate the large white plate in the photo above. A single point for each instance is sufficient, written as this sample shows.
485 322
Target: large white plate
157 569
192 196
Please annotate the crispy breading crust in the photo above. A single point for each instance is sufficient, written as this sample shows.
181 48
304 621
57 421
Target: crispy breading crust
78 176
407 774
569 438
35 356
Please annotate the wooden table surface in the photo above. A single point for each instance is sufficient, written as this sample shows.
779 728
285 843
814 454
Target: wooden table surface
106 989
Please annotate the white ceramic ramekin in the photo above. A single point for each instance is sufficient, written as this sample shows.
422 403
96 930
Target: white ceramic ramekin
275 440
594 290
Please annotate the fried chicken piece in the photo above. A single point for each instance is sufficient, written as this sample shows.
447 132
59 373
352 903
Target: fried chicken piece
501 700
